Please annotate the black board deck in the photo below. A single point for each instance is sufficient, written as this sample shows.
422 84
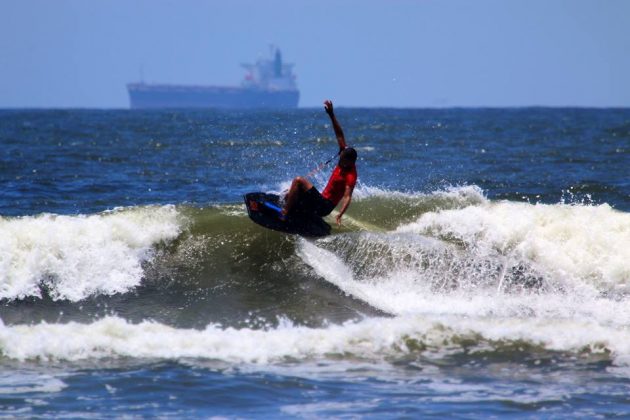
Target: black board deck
264 209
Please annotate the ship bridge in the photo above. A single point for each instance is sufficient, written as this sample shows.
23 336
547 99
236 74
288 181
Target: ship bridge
270 73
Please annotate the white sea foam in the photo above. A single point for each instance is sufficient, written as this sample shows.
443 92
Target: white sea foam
29 382
411 289
550 275
466 194
375 339
322 409
584 245
77 256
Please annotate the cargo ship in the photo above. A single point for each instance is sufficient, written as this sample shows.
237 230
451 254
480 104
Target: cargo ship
268 83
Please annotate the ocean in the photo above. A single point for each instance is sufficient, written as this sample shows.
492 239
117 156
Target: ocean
482 269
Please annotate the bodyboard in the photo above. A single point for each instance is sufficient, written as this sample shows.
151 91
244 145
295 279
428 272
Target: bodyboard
265 210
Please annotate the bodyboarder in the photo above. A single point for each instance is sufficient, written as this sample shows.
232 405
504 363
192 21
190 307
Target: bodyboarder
305 198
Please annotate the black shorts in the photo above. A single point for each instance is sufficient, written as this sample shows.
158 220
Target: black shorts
312 202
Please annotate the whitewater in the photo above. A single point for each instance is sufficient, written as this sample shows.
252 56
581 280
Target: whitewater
493 274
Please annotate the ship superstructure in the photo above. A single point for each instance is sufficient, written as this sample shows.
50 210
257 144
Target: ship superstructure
268 83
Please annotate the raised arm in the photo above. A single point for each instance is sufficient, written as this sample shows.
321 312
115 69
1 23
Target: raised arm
328 106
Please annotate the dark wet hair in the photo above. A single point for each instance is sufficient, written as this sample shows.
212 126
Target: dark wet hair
348 154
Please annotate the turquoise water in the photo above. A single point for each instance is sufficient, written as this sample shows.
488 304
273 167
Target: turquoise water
483 268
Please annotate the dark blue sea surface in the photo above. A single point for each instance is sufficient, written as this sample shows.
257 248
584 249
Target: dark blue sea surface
483 268
73 161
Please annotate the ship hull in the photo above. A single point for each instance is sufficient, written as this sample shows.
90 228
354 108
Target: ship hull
143 96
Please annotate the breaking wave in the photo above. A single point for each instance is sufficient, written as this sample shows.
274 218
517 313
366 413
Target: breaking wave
453 271
376 339
73 257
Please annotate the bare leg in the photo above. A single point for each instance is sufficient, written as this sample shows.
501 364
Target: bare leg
299 185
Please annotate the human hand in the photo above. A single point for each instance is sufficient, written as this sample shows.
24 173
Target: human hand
328 106
338 218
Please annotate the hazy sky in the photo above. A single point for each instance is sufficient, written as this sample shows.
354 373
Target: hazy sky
80 53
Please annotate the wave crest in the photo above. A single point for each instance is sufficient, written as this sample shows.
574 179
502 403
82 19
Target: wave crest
74 257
